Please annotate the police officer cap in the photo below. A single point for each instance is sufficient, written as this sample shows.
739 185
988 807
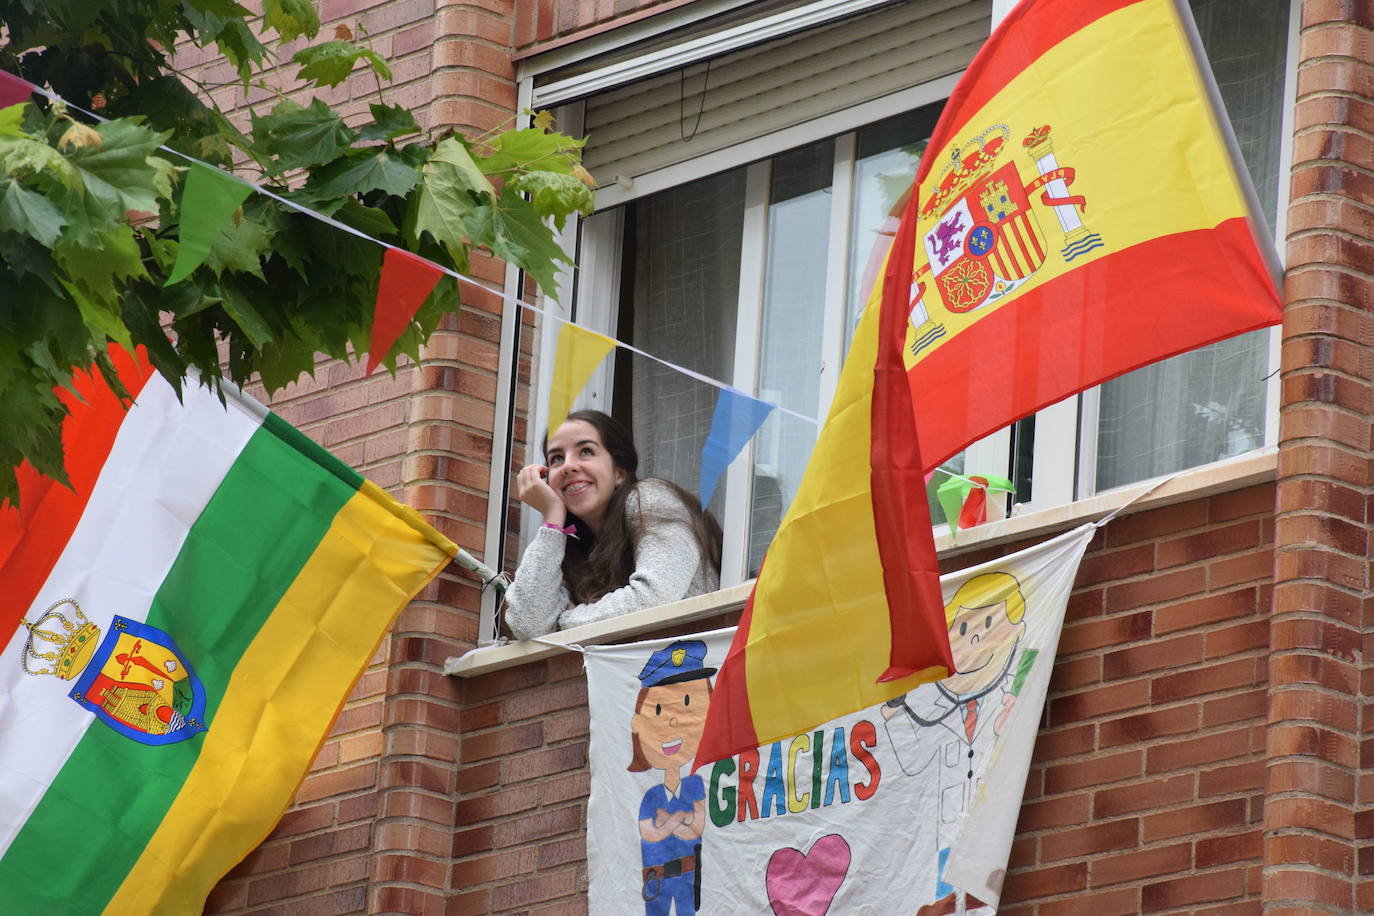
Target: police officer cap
681 661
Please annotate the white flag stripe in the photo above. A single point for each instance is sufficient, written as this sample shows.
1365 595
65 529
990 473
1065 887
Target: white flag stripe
166 462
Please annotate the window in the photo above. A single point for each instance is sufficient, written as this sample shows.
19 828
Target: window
754 274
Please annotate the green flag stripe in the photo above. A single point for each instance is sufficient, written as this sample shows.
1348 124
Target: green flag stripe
239 557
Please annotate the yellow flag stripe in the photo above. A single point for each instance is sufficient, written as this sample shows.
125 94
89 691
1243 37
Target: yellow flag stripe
1130 116
282 698
579 353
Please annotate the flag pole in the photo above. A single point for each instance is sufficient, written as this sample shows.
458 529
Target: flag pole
1259 225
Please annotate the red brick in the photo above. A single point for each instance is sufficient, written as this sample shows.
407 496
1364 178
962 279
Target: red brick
1076 672
1235 708
1317 777
1118 902
1204 545
1326 636
1302 885
1152 656
1183 891
1044 882
1098 701
523 893
337 782
1053 744
1256 566
1095 634
1063 811
1300 703
1296 812
1149 725
1198 818
1225 507
1089 840
1230 779
502 742
1303 667
1116 564
1242 637
1240 672
1155 589
1097 770
1140 863
544 762
1291 739
1154 793
544 824
1194 750
1304 849
1205 611
1144 526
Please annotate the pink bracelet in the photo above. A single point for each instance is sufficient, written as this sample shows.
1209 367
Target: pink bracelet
570 530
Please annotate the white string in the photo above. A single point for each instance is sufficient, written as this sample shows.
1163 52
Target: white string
462 278
570 646
1134 499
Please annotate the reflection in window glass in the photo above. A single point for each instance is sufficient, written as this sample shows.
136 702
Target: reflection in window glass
1209 404
684 248
790 337
885 161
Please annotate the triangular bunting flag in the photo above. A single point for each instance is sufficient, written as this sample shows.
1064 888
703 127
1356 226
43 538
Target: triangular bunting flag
208 201
407 280
579 353
737 418
13 90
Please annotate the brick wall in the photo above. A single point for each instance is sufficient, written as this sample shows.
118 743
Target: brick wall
1319 815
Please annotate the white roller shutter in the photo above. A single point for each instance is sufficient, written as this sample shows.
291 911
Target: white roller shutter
638 129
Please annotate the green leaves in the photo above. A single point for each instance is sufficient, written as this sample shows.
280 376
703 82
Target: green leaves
299 138
291 18
330 63
91 227
31 214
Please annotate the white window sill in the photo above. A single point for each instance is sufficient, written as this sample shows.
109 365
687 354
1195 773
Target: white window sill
1233 474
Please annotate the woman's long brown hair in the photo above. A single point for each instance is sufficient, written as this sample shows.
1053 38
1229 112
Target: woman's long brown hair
596 564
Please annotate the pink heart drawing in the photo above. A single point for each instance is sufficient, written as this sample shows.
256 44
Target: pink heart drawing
805 884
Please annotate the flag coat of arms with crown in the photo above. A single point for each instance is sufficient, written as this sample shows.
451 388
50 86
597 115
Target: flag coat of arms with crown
136 681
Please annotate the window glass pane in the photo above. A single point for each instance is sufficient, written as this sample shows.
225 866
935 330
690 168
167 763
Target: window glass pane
885 161
1209 404
790 335
684 249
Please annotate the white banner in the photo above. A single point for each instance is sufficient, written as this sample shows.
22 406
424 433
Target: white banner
906 807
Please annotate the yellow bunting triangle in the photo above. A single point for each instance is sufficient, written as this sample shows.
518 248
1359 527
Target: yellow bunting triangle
579 353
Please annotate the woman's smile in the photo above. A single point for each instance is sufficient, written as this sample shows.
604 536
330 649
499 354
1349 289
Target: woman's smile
672 747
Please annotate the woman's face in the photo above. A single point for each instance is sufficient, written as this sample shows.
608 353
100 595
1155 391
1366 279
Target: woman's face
669 722
581 471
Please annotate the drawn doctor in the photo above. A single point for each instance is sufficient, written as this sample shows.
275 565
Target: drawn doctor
670 712
969 708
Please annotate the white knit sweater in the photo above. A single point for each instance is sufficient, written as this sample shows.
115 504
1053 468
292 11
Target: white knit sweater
669 566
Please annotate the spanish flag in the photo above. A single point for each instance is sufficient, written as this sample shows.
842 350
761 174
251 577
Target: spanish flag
1079 212
186 620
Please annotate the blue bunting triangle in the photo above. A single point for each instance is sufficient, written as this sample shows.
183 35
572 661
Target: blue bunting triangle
737 418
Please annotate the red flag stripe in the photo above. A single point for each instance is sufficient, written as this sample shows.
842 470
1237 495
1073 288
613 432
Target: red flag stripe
906 544
730 720
13 90
32 538
1160 317
407 280
1027 32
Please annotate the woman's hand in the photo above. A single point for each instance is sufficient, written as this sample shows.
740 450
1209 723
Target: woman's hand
532 488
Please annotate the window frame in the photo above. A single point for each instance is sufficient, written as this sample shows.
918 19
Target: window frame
1066 442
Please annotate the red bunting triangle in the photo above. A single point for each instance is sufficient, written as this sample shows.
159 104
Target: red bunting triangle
407 280
13 90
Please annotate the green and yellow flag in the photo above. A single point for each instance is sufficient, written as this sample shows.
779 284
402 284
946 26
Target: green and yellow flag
186 621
